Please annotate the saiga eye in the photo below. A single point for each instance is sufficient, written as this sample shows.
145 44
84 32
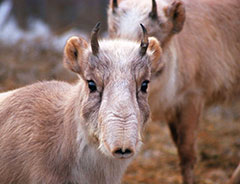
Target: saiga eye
144 86
92 86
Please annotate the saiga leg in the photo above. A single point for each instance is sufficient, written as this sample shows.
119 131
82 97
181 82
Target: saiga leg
183 128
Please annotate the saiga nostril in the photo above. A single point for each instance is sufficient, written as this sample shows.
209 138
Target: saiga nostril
122 154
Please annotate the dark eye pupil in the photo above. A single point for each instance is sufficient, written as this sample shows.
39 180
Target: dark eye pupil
92 86
144 86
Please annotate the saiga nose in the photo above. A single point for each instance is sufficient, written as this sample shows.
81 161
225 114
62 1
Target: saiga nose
122 153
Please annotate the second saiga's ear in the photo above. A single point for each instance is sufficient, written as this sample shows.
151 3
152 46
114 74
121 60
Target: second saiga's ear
75 54
176 13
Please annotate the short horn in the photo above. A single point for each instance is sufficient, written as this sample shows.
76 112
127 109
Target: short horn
153 13
144 42
94 39
114 5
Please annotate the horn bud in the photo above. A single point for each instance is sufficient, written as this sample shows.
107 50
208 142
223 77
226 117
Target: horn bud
114 5
153 13
94 39
144 42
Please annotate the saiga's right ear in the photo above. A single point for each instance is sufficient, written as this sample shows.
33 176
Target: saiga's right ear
176 12
75 54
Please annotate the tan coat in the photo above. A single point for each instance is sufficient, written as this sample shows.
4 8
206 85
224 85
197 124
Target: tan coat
200 62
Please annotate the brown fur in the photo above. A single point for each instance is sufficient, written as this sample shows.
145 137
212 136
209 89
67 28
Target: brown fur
201 61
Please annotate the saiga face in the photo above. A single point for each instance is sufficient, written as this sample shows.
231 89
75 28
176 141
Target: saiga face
115 75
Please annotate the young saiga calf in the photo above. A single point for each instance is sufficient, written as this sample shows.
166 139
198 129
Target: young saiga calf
200 62
86 133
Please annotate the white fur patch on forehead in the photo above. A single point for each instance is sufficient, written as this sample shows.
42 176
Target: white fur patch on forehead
119 52
133 12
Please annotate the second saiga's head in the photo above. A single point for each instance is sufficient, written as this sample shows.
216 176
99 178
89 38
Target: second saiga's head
162 18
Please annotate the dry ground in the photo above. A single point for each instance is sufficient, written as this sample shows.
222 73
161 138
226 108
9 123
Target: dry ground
218 153
218 136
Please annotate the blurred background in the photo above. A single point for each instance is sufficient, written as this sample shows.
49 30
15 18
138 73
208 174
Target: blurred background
32 37
34 32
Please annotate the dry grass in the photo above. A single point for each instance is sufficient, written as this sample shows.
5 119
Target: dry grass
218 153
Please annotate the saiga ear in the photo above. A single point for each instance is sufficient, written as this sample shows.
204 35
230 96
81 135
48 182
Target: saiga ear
154 51
176 13
74 54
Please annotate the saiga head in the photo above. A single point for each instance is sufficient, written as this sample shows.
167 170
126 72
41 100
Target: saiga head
114 75
162 18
